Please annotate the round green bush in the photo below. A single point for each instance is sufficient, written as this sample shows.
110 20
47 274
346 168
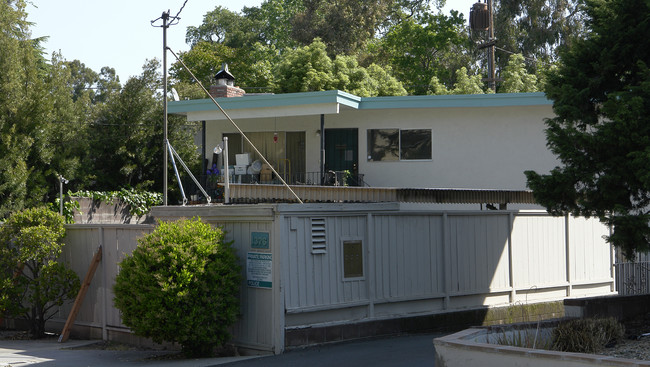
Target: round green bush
181 285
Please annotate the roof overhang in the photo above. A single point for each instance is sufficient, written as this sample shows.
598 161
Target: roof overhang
331 102
268 105
456 101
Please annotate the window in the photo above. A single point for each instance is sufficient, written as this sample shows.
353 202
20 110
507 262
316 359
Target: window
352 259
395 144
415 144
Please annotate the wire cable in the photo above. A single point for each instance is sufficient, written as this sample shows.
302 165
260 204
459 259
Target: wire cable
176 18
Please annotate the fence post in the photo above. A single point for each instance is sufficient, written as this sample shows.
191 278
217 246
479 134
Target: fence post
569 278
446 245
104 288
511 270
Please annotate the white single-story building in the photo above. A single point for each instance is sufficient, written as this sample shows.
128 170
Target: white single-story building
456 141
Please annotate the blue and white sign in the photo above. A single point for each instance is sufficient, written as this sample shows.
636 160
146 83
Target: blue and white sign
259 267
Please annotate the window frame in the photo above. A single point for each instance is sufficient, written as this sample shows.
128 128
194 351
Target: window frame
400 158
354 239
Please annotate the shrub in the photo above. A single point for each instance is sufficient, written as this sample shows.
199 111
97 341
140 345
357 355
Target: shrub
181 285
33 282
587 335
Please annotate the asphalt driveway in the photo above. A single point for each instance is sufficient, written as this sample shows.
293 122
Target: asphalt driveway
408 350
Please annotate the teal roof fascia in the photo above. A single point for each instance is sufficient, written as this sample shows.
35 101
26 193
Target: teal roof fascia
265 101
459 100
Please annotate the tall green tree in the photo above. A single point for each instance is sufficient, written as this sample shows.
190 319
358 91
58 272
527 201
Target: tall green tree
309 68
419 49
536 28
126 139
601 134
275 18
345 26
27 109
516 79
226 27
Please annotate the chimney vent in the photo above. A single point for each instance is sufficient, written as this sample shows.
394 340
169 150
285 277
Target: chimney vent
225 87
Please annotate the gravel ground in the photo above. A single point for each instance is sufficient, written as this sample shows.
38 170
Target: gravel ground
632 349
635 345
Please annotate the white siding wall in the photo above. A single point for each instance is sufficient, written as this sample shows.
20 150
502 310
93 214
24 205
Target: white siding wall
442 261
484 148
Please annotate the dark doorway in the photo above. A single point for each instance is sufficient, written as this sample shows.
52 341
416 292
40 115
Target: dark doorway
342 150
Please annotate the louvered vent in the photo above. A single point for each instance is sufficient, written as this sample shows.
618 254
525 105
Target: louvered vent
318 242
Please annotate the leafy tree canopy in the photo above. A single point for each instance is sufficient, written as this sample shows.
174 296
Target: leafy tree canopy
421 49
601 134
536 28
309 68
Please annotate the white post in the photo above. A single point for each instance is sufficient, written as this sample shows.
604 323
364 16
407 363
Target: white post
226 191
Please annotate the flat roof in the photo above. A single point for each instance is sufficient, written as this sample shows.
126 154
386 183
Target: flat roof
329 102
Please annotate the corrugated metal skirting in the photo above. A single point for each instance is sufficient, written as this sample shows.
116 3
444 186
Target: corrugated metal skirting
249 193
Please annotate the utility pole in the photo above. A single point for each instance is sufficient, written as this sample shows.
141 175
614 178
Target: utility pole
491 41
165 18
481 19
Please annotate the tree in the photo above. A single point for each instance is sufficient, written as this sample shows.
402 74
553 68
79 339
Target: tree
126 139
226 27
601 132
309 68
33 281
345 26
536 28
19 81
275 18
465 84
34 98
181 285
420 50
516 78
305 69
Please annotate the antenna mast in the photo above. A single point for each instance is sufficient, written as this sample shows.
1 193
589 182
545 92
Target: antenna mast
165 18
167 22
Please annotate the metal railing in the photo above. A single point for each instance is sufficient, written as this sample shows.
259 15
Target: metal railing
211 182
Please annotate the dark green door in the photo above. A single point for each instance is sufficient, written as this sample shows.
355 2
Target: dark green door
342 150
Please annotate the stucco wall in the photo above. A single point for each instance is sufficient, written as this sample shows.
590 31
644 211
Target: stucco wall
476 147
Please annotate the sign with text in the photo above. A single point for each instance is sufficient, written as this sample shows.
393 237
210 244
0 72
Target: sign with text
259 270
260 240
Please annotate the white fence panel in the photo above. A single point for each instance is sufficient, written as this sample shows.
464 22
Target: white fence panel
539 251
479 253
407 252
591 256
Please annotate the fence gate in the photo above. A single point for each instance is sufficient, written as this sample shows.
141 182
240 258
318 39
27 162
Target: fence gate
632 277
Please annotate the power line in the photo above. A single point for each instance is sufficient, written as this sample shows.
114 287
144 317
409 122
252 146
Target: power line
179 12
